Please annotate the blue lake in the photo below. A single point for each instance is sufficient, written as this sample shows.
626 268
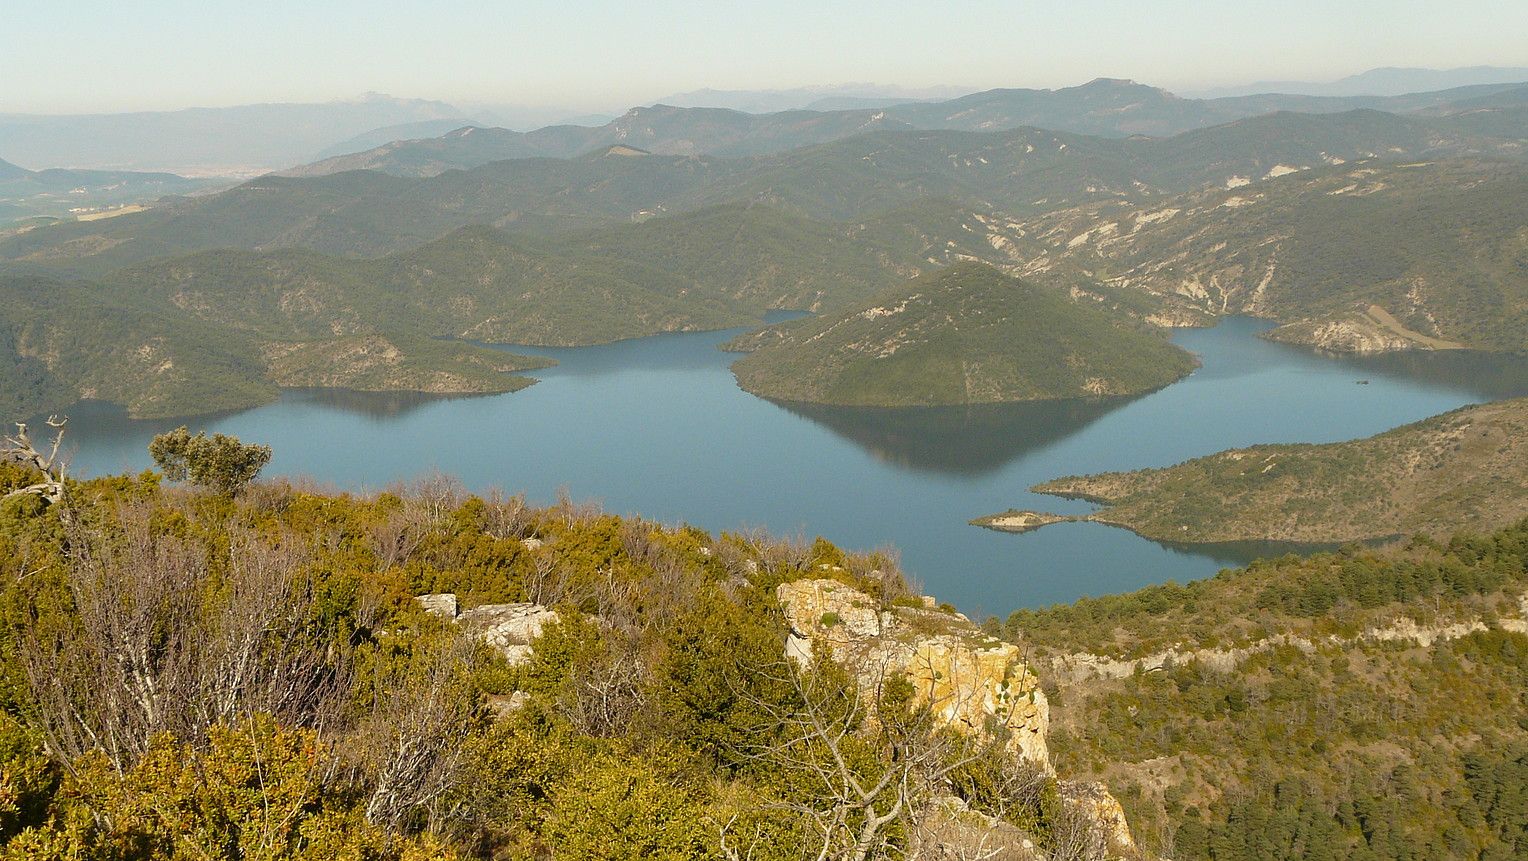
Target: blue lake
658 427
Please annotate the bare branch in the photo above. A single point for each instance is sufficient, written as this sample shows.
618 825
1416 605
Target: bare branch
20 449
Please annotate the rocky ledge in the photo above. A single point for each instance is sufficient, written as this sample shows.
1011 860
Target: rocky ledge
974 682
971 680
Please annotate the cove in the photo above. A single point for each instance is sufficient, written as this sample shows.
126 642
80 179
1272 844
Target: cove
658 427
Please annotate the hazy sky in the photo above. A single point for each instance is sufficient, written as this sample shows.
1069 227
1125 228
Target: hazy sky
87 55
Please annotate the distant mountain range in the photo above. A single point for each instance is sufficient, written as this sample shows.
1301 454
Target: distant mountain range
1380 82
825 98
387 134
1105 108
243 140
251 139
1019 172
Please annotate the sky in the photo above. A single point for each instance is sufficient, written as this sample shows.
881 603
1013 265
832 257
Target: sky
71 56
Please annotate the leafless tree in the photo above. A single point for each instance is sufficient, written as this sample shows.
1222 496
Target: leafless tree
260 654
820 738
161 641
1076 836
432 497
19 448
575 513
605 695
395 539
507 517
414 740
547 582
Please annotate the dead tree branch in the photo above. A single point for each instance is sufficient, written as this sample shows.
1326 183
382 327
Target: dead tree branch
20 449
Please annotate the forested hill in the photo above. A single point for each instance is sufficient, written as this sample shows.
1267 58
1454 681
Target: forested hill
1359 257
1020 172
63 340
223 329
1359 230
1464 469
965 334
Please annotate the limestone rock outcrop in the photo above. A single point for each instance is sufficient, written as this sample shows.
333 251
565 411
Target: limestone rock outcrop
442 604
970 679
510 628
1095 802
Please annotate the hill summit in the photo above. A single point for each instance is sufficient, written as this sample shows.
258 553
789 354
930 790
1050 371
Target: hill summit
966 334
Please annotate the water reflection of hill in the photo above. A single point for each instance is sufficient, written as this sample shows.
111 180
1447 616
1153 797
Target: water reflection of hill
1234 554
959 440
374 405
1491 376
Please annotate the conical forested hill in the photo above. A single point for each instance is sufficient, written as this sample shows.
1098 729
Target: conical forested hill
966 334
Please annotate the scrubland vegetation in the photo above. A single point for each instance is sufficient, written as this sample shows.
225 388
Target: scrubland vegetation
242 671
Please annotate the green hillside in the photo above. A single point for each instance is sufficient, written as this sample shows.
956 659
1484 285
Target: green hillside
1464 469
300 318
1357 705
966 334
398 696
61 341
713 268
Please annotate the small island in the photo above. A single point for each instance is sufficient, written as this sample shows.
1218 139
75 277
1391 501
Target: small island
967 334
1019 520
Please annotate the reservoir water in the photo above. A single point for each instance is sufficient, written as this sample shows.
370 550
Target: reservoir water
658 427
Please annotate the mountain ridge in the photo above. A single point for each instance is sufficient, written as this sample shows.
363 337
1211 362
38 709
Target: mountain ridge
1103 107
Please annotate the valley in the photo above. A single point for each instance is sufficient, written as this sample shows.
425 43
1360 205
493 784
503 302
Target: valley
951 255
658 425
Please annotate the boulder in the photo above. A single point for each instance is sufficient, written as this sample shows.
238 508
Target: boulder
510 628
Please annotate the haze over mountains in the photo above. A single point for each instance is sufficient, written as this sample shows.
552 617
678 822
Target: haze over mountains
248 139
241 140
71 194
1379 82
1104 107
824 98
